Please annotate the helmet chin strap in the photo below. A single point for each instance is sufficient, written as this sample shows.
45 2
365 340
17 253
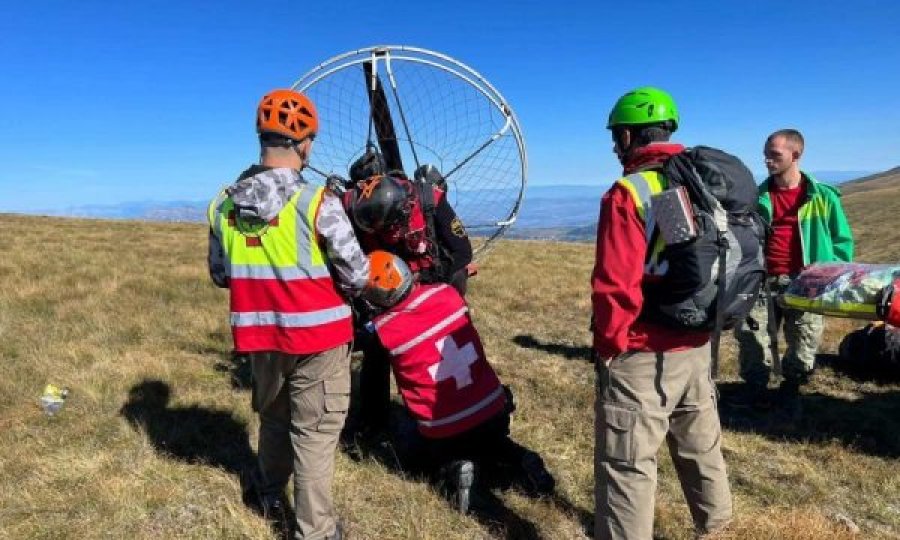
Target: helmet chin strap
621 152
304 156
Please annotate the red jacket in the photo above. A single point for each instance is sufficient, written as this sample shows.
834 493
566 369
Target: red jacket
439 362
619 269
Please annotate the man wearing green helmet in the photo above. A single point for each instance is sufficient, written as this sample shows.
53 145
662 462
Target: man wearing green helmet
653 382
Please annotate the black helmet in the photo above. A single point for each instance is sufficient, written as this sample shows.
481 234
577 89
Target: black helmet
371 163
379 202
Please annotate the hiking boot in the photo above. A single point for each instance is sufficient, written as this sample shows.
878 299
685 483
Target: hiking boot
539 480
275 511
457 478
273 508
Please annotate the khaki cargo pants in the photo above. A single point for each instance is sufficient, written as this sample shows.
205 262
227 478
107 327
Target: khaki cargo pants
643 399
802 335
302 403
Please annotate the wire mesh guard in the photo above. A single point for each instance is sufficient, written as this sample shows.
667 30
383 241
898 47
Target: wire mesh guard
439 112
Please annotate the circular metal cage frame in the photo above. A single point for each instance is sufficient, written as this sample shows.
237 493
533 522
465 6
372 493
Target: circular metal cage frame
382 59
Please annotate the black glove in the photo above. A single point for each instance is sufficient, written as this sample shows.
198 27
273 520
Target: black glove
337 184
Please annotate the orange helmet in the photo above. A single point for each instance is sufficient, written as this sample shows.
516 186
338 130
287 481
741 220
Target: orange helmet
390 280
287 113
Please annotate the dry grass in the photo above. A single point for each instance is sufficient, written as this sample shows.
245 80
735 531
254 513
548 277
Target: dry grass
109 308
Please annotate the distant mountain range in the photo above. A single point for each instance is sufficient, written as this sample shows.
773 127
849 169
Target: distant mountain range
140 210
567 212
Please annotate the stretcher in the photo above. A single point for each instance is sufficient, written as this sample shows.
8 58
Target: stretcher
855 290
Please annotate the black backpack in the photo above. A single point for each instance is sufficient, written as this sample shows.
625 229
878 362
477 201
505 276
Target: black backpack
713 280
426 178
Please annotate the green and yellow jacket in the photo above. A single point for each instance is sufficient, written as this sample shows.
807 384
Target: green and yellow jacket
824 230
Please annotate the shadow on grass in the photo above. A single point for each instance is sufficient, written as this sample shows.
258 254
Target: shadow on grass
192 434
568 352
397 451
869 424
585 517
237 365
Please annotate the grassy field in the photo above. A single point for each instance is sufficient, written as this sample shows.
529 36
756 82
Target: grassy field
151 440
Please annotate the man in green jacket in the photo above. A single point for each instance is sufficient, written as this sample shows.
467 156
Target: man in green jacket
808 226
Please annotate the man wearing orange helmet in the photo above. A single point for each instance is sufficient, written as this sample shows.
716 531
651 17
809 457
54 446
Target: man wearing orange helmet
287 253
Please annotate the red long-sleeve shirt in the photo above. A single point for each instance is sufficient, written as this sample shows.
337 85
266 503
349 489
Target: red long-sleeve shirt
616 284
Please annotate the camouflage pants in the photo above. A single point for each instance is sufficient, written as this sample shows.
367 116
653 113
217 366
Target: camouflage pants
802 335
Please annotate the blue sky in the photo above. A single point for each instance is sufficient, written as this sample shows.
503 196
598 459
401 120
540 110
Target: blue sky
104 102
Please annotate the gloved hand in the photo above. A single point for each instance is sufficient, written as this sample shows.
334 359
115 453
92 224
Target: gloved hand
337 184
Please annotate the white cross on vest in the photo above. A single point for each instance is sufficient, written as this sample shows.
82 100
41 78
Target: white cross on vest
455 362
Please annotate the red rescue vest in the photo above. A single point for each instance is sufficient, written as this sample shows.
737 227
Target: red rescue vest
282 295
439 362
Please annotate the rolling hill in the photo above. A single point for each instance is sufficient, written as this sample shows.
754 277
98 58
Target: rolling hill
158 424
883 180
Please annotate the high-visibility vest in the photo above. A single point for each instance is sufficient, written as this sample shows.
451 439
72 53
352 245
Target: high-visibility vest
283 297
642 186
439 362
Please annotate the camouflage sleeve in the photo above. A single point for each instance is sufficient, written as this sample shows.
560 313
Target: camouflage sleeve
350 264
218 271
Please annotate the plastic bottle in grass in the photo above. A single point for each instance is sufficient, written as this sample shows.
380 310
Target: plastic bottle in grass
53 399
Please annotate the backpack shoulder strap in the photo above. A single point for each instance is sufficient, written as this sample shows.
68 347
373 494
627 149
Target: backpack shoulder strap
426 197
428 205
716 337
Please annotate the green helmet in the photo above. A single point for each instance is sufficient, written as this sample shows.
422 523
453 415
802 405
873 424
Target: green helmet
644 105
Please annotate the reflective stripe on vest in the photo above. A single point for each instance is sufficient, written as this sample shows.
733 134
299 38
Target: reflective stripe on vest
431 332
282 293
489 400
642 186
415 303
290 320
